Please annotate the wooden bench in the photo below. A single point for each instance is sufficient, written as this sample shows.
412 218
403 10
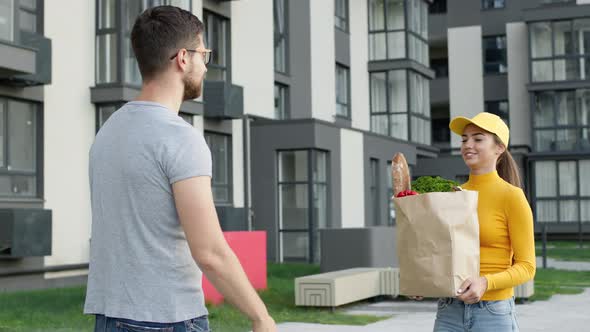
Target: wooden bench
336 288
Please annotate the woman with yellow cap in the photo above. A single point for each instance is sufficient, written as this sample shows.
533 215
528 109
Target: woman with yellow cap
507 251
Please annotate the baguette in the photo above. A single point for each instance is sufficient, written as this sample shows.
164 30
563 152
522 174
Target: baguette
400 174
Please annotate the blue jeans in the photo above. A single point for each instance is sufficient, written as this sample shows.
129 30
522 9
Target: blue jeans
485 316
108 324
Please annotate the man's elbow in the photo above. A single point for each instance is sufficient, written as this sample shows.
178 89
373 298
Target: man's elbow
210 260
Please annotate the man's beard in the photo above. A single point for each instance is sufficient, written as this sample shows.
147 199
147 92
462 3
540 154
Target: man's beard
192 88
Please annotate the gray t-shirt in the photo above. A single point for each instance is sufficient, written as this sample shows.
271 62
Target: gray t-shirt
141 267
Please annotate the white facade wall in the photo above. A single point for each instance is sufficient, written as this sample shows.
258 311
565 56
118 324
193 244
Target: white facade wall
359 59
252 49
69 128
323 60
352 178
518 78
465 74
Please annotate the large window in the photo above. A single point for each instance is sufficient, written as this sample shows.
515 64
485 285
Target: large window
375 192
7 20
217 39
387 30
280 35
114 21
392 114
220 146
494 53
438 7
341 14
19 123
440 67
562 191
493 4
500 108
560 50
28 15
303 203
561 120
342 91
281 102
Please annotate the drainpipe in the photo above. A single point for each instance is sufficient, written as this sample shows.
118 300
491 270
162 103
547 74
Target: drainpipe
246 157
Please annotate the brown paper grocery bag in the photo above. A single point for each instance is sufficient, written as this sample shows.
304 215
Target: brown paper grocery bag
437 242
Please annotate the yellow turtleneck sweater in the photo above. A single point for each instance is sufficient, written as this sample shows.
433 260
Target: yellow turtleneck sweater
506 238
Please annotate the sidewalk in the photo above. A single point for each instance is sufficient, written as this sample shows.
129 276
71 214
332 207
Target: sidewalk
561 313
563 265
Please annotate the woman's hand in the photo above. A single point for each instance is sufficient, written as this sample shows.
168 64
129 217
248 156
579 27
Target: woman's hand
472 290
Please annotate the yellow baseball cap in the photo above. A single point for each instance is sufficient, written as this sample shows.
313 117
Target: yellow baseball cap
486 121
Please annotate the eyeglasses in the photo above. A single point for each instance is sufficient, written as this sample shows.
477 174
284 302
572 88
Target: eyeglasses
206 55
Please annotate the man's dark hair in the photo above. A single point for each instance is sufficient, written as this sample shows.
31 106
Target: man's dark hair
159 32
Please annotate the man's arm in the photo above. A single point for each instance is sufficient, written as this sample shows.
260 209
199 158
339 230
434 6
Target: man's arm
196 210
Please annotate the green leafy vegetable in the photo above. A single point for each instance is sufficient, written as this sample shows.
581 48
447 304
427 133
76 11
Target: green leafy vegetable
429 184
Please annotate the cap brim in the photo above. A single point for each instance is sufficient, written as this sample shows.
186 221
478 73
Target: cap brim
458 124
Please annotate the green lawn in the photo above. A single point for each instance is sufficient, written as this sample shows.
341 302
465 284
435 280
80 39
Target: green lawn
549 282
60 310
565 250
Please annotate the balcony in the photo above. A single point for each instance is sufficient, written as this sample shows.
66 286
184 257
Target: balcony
26 62
223 100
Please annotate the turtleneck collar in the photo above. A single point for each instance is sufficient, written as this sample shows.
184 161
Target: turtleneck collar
483 178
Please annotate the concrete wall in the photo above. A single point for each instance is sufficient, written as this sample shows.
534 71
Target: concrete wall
518 78
69 128
253 53
352 179
359 57
465 74
323 60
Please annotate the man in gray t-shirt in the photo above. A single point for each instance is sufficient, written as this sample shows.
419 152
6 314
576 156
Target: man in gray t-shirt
154 227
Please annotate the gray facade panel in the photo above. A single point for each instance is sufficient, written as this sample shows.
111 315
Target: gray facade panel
565 11
437 28
328 138
495 87
16 60
439 91
448 167
401 64
299 50
342 47
383 150
33 93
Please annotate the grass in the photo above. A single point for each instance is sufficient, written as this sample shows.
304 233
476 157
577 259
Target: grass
549 282
565 250
60 310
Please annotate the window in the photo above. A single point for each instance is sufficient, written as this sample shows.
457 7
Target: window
441 134
28 15
387 30
492 4
440 67
560 50
303 203
375 192
281 102
113 33
220 146
105 112
19 169
342 91
217 39
438 7
7 20
390 109
494 49
500 108
341 14
280 35
391 214
562 191
186 117
561 121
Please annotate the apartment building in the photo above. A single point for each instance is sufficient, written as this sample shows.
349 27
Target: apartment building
305 102
526 61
